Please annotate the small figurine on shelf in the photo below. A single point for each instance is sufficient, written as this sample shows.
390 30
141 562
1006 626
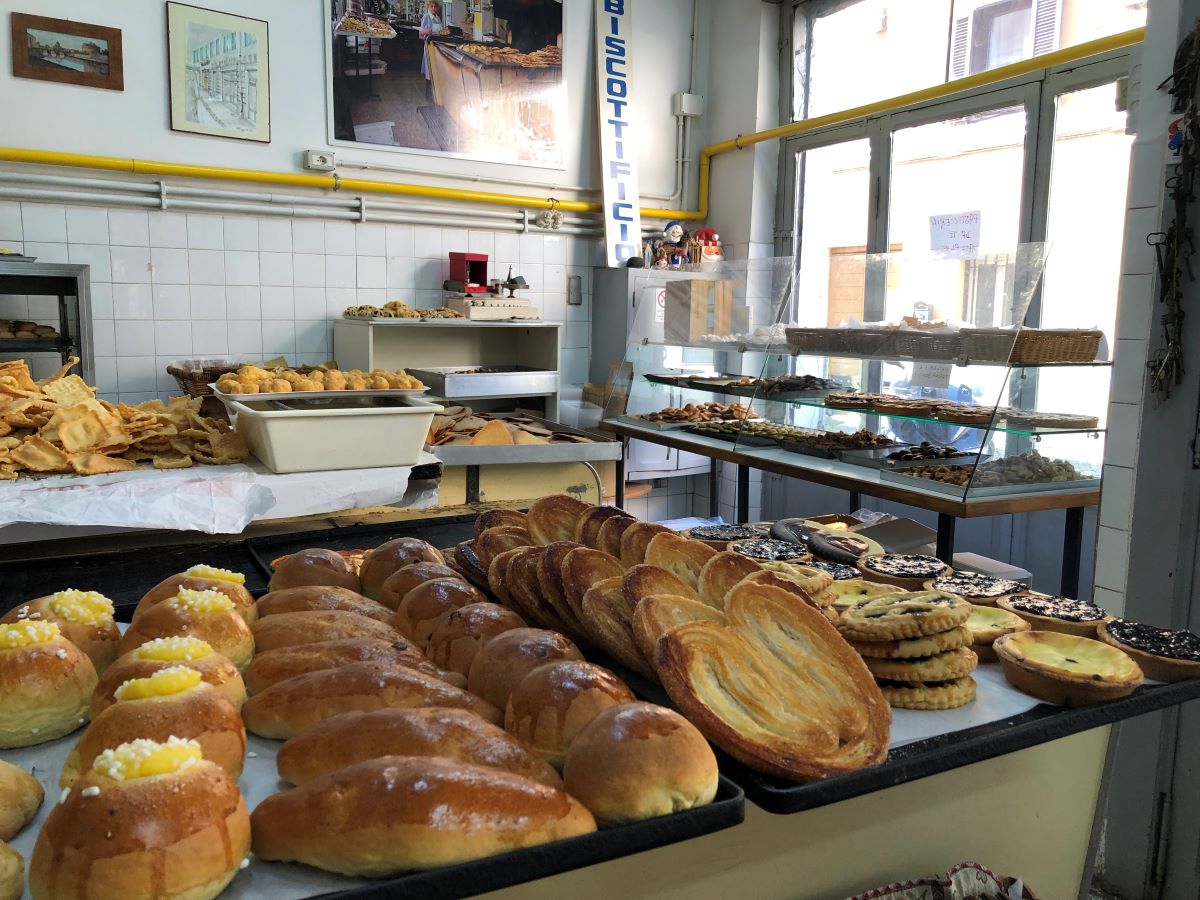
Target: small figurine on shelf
709 244
673 234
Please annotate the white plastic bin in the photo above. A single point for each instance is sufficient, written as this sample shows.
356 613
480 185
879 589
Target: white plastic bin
318 440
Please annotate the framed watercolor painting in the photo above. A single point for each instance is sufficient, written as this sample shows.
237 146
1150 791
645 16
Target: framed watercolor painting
67 52
219 73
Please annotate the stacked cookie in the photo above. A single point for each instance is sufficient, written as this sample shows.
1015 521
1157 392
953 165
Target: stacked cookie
916 645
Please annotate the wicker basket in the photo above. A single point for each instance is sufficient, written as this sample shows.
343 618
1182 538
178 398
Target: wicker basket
195 380
869 341
1038 346
926 345
814 340
987 344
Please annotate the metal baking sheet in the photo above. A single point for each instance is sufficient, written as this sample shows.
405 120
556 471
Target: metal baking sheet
314 395
668 426
501 381
876 458
602 447
749 440
1004 490
670 380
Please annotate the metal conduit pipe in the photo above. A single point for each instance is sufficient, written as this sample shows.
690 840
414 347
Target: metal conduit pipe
54 196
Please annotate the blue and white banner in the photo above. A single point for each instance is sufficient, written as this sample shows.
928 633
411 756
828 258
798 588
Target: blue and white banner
618 148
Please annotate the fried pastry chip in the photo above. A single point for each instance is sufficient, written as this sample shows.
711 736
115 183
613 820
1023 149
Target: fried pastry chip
172 461
39 455
99 464
68 391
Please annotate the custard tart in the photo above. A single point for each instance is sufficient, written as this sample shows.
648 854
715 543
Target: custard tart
1066 669
986 624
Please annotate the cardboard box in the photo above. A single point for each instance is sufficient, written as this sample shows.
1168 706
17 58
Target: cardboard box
901 535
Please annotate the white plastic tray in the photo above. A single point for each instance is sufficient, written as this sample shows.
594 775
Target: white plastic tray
314 395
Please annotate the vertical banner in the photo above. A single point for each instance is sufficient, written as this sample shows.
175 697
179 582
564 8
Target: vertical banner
618 148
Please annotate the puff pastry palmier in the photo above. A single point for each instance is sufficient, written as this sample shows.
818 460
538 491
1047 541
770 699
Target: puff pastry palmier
498 579
646 581
495 518
607 616
636 539
554 518
582 568
550 582
776 687
657 615
587 529
494 541
608 538
680 556
721 574
526 591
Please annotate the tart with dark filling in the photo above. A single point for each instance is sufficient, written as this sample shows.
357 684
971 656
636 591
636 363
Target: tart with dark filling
906 570
1066 669
980 589
1162 654
1045 612
837 570
719 536
779 551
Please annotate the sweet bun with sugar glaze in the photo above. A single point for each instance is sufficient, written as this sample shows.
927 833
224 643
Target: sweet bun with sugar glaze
316 626
164 653
21 796
458 636
84 617
503 661
12 873
425 604
273 666
320 596
208 615
203 578
385 559
403 580
315 566
46 683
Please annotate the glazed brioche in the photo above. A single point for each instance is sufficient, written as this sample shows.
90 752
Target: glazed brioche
273 666
316 597
425 604
607 617
495 518
503 661
587 529
85 618
202 578
555 701
287 708
658 614
20 797
680 556
353 737
164 653
635 540
403 580
207 615
554 518
296 628
395 554
148 821
398 813
457 637
637 761
170 703
315 566
46 683
12 873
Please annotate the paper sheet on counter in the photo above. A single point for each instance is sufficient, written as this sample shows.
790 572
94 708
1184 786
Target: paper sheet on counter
209 499
995 700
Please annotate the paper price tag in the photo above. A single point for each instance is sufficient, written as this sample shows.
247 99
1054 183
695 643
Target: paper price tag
955 235
931 375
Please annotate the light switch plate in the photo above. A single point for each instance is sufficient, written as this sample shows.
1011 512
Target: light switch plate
574 290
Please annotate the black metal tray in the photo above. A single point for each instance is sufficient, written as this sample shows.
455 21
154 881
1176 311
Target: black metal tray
750 440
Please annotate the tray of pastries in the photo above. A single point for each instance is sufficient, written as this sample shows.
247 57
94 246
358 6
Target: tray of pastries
830 444
459 436
753 433
314 384
691 414
1024 473
17 329
904 456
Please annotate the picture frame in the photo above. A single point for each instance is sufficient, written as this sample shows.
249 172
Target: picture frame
218 68
66 52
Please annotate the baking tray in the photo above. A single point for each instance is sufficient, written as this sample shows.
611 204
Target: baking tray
313 395
876 458
602 447
667 426
670 380
750 440
717 384
1004 490
499 381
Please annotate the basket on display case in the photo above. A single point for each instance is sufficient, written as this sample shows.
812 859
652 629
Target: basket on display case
987 344
815 340
194 375
869 341
1065 345
927 345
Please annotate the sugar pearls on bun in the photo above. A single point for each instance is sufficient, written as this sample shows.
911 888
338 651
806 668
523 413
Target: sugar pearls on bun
315 566
638 760
202 578
208 615
164 653
84 617
46 683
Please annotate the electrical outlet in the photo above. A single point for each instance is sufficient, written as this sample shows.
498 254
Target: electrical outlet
574 290
321 160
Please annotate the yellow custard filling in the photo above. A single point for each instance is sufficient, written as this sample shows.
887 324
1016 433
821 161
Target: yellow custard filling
83 607
201 601
215 574
26 634
161 684
143 758
174 649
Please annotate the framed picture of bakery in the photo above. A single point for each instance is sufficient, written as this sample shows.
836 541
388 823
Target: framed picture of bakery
67 52
477 79
219 73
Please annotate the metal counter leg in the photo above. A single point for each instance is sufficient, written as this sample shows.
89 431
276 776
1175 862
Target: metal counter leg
620 498
714 489
743 493
945 538
855 501
1072 549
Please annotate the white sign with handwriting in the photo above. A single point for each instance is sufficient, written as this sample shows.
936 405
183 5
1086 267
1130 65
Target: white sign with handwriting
956 235
930 375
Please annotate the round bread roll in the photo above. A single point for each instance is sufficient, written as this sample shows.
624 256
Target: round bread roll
295 628
637 761
503 661
273 666
208 615
20 797
403 813
314 566
12 873
458 635
320 596
84 617
555 701
452 733
202 578
46 683
387 558
172 702
148 820
426 603
164 653
404 579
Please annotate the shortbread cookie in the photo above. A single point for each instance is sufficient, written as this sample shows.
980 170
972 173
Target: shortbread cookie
945 666
919 695
842 594
894 617
914 648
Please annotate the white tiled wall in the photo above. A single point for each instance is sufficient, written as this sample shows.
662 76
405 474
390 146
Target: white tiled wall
170 285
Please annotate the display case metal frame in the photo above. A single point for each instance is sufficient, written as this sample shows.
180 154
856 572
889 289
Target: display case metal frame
71 284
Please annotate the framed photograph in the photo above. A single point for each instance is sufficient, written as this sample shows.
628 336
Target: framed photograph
67 52
219 73
474 79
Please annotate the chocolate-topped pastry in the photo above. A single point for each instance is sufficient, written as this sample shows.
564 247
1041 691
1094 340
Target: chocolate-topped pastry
1045 612
980 589
768 549
907 570
1162 654
797 531
837 570
843 548
724 533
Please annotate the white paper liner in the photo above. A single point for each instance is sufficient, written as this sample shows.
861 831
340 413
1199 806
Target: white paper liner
995 700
